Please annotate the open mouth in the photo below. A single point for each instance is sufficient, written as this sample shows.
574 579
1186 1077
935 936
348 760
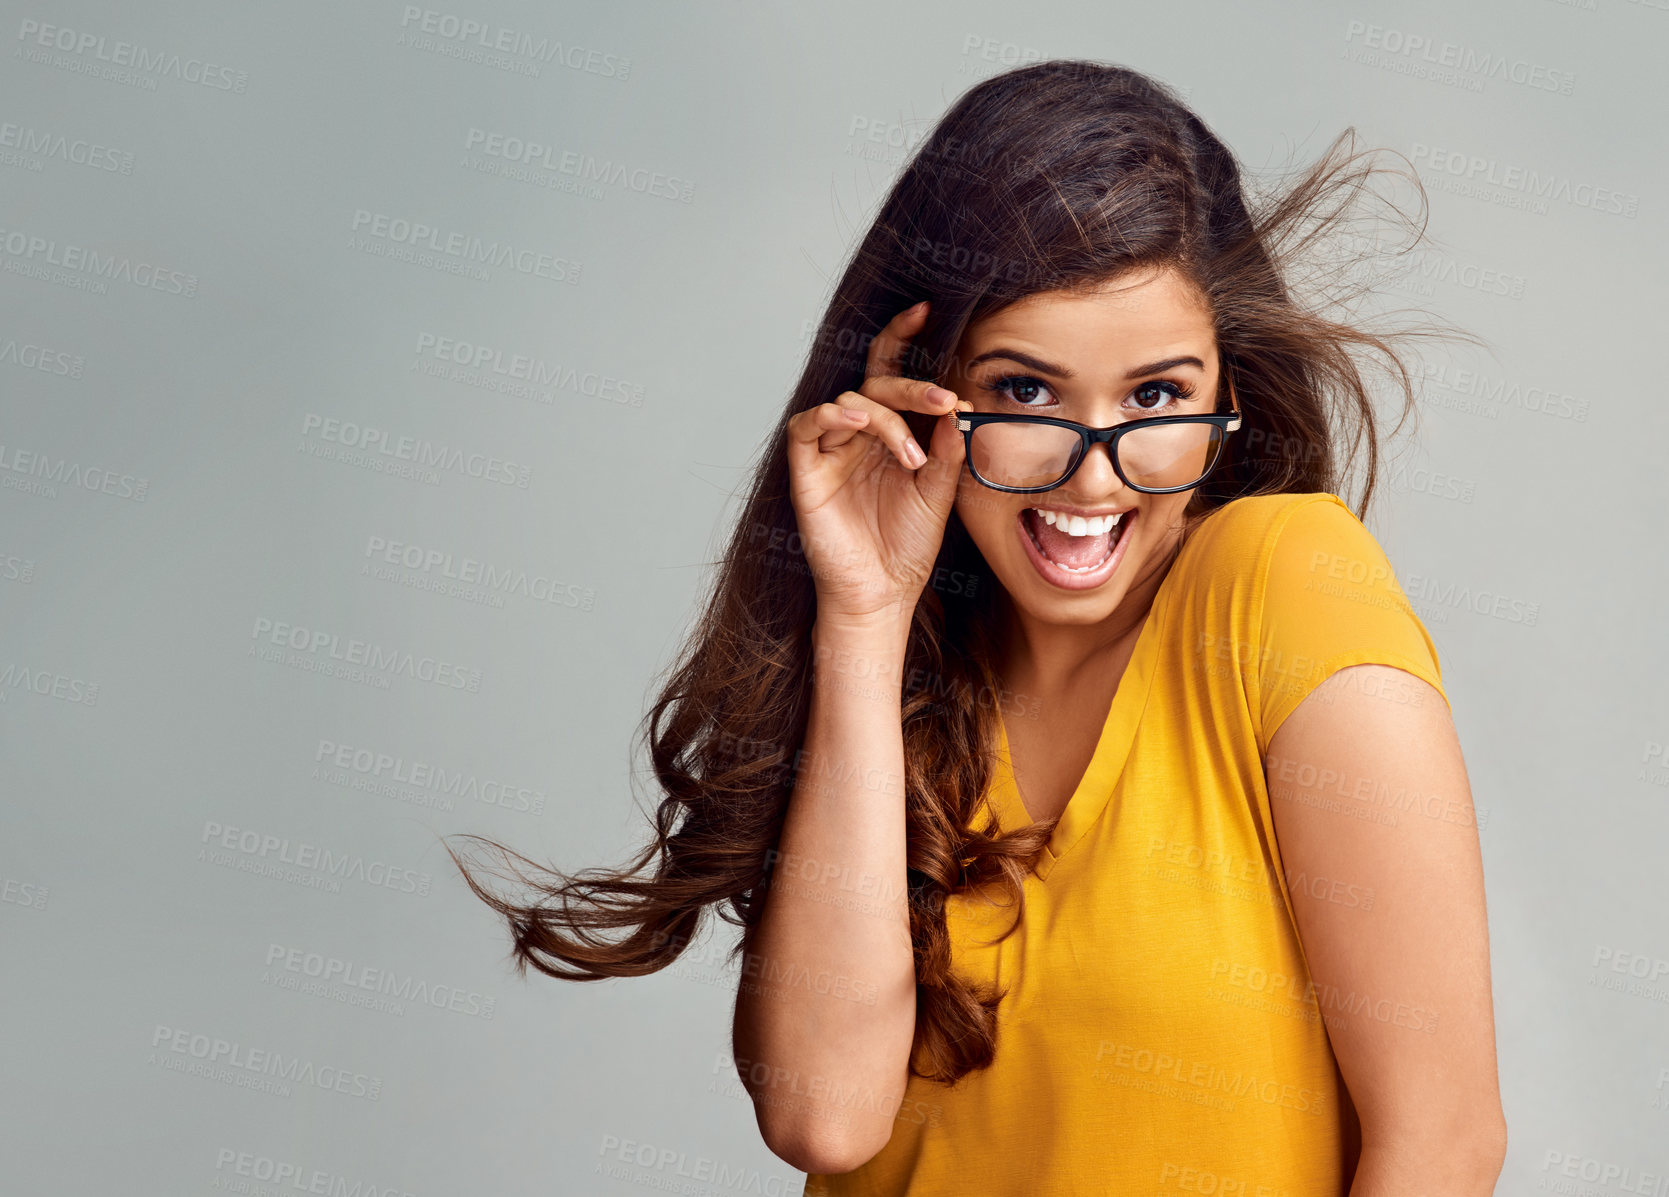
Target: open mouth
1071 551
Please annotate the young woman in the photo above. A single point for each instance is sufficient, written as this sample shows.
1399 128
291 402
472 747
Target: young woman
1081 779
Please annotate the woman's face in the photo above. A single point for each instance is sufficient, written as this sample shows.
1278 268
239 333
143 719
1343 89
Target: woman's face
1142 346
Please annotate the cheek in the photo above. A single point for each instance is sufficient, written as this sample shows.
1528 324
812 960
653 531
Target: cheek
1167 510
990 523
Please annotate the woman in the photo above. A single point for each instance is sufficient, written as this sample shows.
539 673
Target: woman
1083 783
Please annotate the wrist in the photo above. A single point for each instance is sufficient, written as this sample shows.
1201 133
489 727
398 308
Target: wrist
890 626
868 648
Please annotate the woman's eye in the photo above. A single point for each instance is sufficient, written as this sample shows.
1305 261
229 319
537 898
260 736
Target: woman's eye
1019 388
1158 392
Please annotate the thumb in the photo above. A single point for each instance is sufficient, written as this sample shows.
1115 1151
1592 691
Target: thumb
939 477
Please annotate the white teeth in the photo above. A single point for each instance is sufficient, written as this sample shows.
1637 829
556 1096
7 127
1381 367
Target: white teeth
1078 525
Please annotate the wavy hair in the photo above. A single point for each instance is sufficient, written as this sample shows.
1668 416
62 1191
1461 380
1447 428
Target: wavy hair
1059 174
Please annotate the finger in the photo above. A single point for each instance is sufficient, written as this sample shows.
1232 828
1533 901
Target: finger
909 394
887 426
826 426
815 473
938 480
886 351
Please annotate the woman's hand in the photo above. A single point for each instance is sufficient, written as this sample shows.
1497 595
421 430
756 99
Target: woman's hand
871 506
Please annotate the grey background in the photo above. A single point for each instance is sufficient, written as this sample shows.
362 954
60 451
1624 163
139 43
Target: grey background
167 487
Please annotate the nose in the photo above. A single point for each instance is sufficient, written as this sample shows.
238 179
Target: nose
1095 479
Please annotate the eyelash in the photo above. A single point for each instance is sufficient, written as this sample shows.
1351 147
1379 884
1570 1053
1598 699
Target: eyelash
1000 386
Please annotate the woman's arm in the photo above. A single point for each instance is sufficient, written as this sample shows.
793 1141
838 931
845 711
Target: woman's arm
826 1012
1369 795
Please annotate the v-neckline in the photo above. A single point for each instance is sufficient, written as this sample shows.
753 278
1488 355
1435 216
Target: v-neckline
1118 731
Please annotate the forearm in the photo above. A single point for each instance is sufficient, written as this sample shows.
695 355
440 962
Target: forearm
826 1058
1466 1162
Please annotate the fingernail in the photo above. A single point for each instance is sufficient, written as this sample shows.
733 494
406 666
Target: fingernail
918 307
913 453
941 395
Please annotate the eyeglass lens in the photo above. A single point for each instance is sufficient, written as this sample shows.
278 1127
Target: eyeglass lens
1158 456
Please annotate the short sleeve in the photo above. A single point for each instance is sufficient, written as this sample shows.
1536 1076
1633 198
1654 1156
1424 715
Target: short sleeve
1330 599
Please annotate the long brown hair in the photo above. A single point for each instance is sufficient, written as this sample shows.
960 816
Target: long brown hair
1059 174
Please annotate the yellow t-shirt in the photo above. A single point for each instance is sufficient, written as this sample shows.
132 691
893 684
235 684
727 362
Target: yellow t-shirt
1159 1034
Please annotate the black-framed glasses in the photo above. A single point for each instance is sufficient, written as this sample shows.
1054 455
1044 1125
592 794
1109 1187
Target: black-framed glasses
1157 455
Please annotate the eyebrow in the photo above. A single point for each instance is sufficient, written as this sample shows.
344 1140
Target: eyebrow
1043 367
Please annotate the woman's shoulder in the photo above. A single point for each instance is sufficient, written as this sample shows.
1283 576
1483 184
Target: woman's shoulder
1267 511
1314 593
1240 536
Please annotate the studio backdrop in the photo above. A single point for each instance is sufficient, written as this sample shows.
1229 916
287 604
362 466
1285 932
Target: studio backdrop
376 383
